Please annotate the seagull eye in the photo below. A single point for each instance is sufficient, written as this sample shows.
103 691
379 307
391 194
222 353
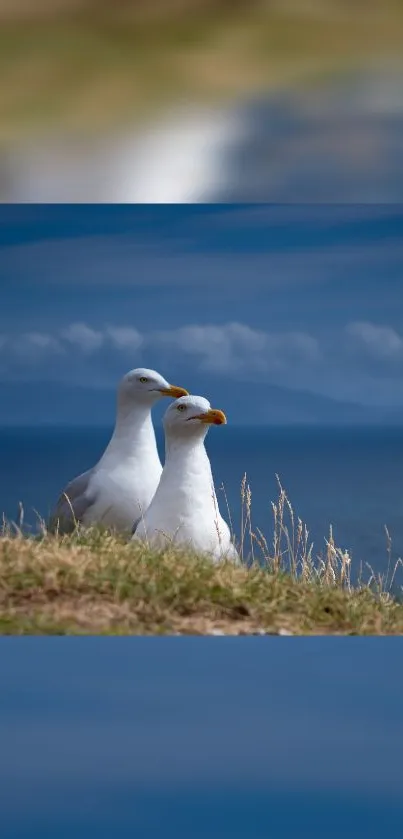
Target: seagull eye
143 379
181 408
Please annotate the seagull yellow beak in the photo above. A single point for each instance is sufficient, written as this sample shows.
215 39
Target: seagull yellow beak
212 417
174 391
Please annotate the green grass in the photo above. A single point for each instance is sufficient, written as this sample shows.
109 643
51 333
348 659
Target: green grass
94 582
81 69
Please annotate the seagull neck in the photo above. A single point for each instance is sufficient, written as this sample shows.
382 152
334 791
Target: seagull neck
134 429
187 472
186 451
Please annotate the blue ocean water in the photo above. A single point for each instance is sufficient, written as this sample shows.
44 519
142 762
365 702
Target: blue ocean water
220 737
350 478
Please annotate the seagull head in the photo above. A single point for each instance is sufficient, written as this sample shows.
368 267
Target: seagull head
192 415
146 387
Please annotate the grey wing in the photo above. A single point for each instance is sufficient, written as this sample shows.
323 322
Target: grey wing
72 504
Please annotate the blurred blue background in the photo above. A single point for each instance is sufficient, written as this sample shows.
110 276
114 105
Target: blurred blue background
201 738
291 314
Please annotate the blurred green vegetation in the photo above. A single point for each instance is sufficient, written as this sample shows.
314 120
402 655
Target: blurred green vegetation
88 65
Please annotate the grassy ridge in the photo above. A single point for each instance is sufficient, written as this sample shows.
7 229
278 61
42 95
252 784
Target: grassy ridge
96 583
103 586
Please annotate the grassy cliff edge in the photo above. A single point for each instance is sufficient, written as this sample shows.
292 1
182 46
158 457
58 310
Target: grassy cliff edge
94 582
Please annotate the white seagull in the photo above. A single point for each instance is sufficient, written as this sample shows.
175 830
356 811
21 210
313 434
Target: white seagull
184 510
119 488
